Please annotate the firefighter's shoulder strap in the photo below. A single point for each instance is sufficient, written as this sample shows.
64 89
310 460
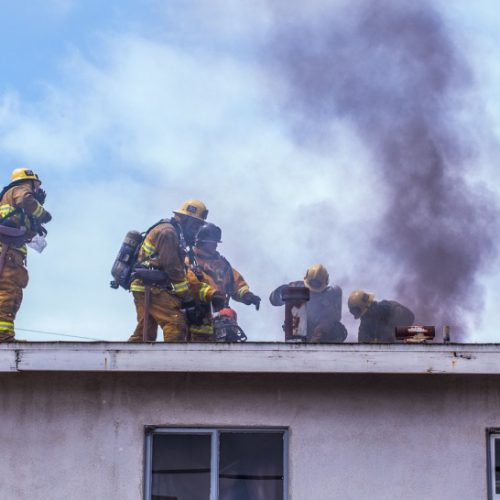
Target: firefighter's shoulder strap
183 248
161 221
194 265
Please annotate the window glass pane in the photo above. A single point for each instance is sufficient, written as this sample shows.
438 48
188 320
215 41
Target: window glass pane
181 467
251 466
497 465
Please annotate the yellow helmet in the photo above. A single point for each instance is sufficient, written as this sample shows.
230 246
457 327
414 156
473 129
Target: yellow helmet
193 208
316 278
23 174
359 302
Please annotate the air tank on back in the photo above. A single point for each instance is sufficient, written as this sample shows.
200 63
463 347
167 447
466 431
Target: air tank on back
124 262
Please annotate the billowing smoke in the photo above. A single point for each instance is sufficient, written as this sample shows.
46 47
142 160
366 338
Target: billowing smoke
390 70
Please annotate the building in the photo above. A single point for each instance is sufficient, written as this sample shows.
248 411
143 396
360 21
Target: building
256 421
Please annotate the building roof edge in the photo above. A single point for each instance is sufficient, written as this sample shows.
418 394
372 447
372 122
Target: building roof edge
251 357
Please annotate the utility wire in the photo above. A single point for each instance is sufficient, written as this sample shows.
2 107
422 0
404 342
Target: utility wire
58 334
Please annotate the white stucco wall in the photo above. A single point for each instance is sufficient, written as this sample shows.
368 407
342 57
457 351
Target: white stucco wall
72 436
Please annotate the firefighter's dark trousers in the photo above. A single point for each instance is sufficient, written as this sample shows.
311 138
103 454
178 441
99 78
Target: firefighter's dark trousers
13 279
164 311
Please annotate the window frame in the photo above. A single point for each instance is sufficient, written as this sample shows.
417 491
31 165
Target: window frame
491 435
214 432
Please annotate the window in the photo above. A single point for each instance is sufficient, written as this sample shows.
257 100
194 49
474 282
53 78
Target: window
494 463
216 464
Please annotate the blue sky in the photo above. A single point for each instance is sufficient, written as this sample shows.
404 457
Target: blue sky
126 108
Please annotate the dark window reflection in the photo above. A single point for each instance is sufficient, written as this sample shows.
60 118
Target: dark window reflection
497 465
181 467
251 466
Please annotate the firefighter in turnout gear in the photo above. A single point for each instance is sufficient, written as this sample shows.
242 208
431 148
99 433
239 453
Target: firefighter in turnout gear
21 217
324 308
162 256
378 319
212 268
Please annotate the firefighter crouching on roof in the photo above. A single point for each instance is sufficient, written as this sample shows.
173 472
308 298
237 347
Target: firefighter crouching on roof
324 308
212 268
21 216
378 319
164 248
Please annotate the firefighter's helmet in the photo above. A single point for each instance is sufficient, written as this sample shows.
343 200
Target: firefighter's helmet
209 232
359 302
23 174
316 278
193 208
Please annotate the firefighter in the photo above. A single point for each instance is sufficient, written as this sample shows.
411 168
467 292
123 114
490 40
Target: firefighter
324 309
172 298
21 217
378 319
212 268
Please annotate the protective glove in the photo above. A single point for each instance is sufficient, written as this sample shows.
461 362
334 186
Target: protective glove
250 298
40 196
218 301
46 217
194 313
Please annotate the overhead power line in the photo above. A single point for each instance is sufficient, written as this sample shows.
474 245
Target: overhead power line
58 334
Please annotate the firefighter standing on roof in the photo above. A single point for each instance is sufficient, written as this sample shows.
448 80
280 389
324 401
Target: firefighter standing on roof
21 206
164 248
378 319
324 309
212 268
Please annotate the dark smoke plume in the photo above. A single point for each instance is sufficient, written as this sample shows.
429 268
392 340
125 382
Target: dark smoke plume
392 72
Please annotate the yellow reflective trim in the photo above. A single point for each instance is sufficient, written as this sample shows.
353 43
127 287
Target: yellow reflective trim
243 290
23 249
203 329
136 287
38 211
181 287
6 210
204 289
6 326
148 247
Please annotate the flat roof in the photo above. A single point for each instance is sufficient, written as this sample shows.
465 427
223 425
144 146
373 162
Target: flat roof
251 357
